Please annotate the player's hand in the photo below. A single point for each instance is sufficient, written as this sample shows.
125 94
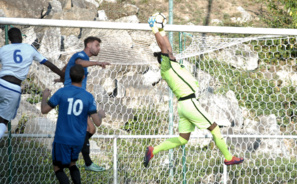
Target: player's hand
103 64
152 24
101 114
46 93
151 21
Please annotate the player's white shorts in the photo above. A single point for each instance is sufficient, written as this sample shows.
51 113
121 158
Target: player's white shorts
10 95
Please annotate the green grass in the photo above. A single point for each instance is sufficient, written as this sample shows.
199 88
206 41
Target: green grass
33 89
31 163
204 163
146 122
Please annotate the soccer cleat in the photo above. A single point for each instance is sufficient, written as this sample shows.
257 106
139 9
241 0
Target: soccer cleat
234 161
148 156
94 167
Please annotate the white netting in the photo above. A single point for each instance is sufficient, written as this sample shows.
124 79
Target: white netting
247 84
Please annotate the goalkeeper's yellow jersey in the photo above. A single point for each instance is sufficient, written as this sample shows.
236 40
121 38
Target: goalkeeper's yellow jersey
178 78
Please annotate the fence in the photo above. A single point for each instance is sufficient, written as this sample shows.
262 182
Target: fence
247 83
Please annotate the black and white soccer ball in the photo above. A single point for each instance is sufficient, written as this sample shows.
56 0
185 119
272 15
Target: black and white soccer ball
160 20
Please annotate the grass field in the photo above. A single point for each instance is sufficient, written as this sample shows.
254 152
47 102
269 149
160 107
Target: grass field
31 163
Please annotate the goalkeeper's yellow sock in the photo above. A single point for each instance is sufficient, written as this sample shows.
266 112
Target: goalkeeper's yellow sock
220 142
169 144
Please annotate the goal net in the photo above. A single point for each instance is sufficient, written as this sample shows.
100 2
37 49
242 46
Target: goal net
247 83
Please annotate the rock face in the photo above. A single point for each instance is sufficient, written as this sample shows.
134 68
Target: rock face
28 9
266 126
224 109
227 50
102 16
131 9
245 16
288 77
56 9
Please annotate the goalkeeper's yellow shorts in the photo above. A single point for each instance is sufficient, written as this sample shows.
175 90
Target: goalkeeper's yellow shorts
191 114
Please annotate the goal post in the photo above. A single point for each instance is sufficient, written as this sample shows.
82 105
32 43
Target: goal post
145 27
247 83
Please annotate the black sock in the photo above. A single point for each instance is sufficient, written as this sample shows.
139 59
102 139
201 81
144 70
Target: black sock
90 135
75 174
62 177
86 150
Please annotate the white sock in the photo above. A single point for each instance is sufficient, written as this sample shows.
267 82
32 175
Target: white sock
3 129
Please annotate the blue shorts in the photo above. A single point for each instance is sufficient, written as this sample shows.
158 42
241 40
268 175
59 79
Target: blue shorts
63 154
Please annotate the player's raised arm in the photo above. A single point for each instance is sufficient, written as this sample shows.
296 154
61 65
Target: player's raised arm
103 64
61 79
86 63
45 108
97 117
159 38
54 68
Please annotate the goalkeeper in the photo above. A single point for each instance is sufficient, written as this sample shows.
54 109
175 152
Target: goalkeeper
191 114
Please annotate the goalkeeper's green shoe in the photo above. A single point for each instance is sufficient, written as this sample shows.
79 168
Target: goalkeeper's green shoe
148 156
94 167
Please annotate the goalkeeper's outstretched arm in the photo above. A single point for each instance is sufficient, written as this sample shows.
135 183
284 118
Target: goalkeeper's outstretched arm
161 42
168 46
161 38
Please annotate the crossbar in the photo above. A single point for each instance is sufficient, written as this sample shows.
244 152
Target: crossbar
144 26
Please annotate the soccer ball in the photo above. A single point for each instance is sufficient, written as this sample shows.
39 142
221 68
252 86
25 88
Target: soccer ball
160 20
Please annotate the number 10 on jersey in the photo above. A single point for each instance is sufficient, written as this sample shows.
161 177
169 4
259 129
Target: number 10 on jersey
75 108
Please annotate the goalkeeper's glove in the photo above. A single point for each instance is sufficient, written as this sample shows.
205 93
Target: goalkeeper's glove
152 24
161 30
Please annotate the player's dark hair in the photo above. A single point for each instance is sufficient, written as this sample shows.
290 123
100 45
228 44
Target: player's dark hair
15 35
77 73
91 39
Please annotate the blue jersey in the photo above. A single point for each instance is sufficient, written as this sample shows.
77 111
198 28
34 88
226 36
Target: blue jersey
75 104
79 55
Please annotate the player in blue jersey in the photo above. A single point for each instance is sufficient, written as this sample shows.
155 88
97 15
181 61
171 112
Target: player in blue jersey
16 59
92 48
75 106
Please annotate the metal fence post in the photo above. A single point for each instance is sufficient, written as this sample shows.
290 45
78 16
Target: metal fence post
171 97
115 161
225 174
